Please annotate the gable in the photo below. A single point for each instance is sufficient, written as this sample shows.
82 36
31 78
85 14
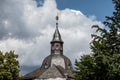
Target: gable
51 72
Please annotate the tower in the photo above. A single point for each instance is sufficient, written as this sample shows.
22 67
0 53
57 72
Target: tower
57 43
56 65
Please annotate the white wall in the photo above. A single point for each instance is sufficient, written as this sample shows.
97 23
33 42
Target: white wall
52 79
56 79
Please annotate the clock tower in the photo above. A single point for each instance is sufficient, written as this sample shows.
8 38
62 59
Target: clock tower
57 42
56 66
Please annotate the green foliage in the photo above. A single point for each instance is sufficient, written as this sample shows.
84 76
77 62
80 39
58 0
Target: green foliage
104 63
9 66
85 68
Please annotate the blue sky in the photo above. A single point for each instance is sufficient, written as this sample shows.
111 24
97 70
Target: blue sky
99 8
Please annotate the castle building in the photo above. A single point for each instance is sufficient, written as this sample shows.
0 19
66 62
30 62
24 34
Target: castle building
55 66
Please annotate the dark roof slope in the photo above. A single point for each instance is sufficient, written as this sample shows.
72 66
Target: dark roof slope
51 72
47 70
47 61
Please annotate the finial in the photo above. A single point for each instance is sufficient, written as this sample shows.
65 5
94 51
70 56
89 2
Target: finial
57 18
57 36
57 21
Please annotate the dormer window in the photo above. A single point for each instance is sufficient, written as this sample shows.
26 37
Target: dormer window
46 65
69 66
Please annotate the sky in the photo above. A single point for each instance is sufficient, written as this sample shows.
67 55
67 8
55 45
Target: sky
99 8
27 27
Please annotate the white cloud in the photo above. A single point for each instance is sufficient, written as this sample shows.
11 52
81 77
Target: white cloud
28 30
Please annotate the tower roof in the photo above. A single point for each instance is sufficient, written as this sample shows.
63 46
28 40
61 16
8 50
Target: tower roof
57 36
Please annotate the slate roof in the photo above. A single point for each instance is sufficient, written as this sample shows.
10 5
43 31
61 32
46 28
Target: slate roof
52 71
57 36
48 60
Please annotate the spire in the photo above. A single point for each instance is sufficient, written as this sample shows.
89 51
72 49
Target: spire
57 36
57 18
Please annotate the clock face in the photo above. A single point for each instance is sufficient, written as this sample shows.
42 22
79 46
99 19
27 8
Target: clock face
56 46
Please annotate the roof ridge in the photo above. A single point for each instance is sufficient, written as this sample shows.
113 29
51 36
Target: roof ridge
58 67
51 72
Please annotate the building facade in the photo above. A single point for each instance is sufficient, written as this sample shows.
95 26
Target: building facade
55 66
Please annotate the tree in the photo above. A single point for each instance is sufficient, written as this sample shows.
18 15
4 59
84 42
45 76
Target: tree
105 48
9 66
85 68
